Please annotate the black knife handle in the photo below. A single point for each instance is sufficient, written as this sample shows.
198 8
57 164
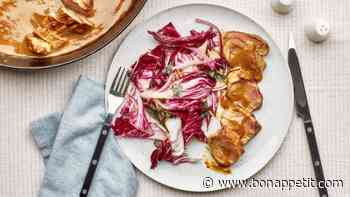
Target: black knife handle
316 159
95 158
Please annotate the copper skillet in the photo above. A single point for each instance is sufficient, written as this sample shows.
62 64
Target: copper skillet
39 63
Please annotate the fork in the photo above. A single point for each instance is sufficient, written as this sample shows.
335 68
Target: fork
113 99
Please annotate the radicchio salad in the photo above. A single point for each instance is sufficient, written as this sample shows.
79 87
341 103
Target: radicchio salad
203 87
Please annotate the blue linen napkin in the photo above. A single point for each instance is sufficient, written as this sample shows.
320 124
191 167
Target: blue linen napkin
67 141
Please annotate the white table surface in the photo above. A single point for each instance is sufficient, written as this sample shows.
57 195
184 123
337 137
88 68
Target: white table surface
25 96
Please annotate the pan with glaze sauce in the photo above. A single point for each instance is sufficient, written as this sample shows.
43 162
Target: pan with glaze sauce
41 33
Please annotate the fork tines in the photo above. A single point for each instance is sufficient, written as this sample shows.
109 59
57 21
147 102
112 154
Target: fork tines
120 83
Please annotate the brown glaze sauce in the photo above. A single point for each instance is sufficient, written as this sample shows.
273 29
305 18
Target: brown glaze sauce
43 21
26 23
6 30
243 57
6 5
246 60
213 165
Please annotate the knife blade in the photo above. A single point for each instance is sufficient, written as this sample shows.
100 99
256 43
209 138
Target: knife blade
303 111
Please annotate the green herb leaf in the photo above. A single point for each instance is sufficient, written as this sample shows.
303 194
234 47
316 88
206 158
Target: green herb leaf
205 106
152 112
204 114
219 77
216 75
177 89
168 68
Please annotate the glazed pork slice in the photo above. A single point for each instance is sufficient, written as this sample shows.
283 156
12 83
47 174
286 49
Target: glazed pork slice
242 122
62 21
245 54
84 7
68 17
240 40
225 147
245 94
73 22
51 37
37 45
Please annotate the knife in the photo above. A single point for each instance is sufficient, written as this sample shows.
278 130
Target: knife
303 111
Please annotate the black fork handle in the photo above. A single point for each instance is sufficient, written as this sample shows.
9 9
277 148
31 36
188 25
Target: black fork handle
96 157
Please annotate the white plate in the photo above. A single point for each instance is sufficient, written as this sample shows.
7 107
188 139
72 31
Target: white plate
274 116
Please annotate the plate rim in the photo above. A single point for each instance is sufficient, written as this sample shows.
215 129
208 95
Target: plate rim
110 35
290 116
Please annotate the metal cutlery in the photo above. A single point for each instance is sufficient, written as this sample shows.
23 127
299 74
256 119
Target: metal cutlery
303 112
113 99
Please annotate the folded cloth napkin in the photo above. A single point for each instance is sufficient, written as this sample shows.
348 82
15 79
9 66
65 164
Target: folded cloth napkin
67 141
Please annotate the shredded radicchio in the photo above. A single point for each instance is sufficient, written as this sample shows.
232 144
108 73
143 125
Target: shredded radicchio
168 37
133 121
177 78
163 151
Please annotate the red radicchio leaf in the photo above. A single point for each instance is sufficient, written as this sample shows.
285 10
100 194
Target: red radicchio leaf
213 102
169 30
186 57
133 121
215 41
192 123
190 112
164 152
168 38
216 64
122 127
197 85
180 104
189 57
148 71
